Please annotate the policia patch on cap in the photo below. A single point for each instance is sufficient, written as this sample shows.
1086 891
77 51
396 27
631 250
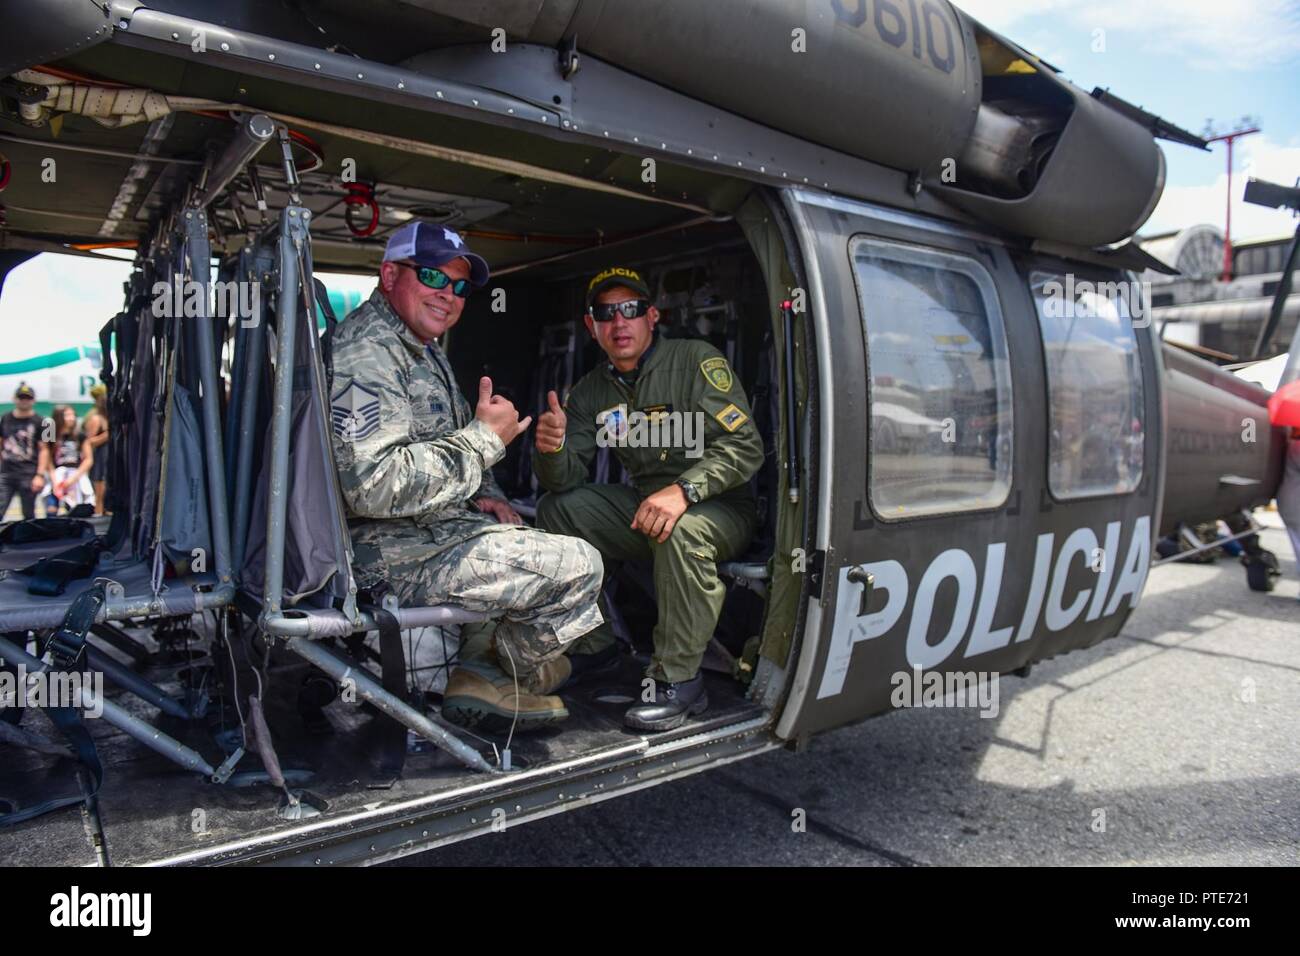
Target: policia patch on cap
717 372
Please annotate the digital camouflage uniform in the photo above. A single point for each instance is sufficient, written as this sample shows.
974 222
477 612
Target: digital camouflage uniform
681 375
411 457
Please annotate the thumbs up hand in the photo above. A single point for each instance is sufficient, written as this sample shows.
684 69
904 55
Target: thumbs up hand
499 413
551 425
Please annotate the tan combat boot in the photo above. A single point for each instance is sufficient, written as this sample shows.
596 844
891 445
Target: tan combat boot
546 678
479 695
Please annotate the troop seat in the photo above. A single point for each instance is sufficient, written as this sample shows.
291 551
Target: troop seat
130 595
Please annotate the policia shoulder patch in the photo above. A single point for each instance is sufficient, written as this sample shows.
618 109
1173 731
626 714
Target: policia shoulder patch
731 418
717 372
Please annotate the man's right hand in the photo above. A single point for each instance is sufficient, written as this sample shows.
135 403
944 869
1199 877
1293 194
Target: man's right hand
551 425
499 413
38 482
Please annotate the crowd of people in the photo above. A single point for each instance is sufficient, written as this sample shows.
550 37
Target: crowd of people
60 461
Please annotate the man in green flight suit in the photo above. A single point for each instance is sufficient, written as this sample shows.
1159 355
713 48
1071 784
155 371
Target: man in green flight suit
680 424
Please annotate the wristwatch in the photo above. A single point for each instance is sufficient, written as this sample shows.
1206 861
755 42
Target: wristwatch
689 490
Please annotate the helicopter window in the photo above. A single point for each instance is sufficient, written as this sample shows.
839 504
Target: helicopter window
1094 385
940 380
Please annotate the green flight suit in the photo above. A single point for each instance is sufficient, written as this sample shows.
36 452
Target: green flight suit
680 415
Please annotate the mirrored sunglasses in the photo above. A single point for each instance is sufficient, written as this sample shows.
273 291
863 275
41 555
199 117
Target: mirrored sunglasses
437 279
631 309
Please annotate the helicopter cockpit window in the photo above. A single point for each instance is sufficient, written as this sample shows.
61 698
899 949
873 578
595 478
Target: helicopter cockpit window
940 380
1094 385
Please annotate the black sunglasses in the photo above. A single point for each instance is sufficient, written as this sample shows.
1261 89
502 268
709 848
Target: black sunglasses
437 279
630 309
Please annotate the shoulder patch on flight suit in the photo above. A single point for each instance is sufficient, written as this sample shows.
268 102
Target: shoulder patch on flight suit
354 412
717 372
731 418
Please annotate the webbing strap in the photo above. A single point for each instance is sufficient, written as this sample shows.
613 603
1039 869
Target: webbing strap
392 661
67 649
50 576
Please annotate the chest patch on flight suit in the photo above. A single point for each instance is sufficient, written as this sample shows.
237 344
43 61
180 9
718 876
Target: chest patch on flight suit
655 412
717 372
731 418
354 412
613 420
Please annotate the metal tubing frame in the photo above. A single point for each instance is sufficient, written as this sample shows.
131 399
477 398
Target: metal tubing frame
255 131
334 623
121 641
293 233
120 607
116 716
130 681
370 690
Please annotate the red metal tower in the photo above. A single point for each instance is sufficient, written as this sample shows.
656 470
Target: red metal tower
1229 138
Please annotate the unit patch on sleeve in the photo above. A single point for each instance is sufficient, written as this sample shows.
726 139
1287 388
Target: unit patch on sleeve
717 372
731 418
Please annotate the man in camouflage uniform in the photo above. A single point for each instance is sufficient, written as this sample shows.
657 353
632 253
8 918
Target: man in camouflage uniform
680 425
426 517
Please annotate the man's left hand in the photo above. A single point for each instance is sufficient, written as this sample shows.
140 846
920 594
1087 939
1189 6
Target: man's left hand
658 514
500 509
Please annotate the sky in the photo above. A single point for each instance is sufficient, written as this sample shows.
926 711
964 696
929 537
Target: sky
54 302
1188 61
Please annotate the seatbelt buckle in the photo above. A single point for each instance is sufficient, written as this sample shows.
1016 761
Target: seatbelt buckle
67 645
66 648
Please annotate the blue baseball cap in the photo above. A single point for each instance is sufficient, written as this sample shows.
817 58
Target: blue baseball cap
430 244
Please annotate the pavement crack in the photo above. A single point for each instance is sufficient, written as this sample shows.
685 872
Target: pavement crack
829 831
1208 653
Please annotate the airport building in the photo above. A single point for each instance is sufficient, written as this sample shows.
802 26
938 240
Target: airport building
1198 308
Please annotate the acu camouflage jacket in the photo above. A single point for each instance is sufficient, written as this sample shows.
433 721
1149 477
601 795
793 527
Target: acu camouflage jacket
410 454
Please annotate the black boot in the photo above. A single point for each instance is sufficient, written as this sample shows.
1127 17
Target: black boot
673 703
589 665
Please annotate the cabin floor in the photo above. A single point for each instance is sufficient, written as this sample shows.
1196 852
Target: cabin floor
151 809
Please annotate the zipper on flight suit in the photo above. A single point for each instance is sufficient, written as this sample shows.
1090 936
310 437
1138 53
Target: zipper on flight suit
630 392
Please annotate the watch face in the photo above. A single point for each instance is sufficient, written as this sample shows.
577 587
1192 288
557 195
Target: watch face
692 495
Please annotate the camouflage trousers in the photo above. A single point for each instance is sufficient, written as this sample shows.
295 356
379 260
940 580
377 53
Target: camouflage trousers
542 587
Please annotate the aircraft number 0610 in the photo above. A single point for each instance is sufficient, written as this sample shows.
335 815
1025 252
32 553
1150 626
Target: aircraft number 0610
897 21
